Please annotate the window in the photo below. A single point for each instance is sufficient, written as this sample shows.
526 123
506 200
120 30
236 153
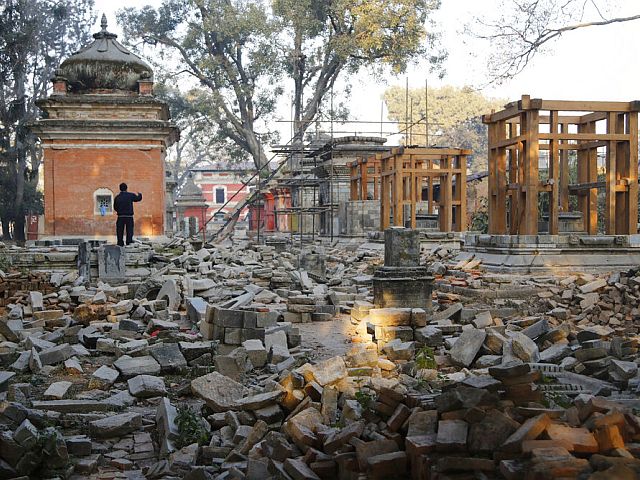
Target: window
220 195
103 202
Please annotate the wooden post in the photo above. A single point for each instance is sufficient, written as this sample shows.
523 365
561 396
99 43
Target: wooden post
493 208
513 180
364 179
632 196
444 205
398 210
376 178
592 156
611 178
501 179
384 198
531 181
430 185
461 194
412 191
353 194
554 175
564 173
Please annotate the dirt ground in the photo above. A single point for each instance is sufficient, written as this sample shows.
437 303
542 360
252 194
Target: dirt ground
327 339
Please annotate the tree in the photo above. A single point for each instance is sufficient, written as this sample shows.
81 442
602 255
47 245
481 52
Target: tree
201 141
35 35
525 28
244 51
455 118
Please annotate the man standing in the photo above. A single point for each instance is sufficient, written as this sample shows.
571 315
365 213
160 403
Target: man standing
123 205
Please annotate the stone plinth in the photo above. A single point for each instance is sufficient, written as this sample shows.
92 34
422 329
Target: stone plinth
553 253
428 221
402 282
402 287
568 222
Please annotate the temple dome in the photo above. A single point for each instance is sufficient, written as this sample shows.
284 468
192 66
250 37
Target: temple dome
104 66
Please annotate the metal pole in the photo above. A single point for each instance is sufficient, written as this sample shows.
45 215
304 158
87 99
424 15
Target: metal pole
426 112
411 127
406 110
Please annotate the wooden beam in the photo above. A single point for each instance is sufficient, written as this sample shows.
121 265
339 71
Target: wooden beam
554 177
531 158
593 136
586 106
632 155
610 180
564 173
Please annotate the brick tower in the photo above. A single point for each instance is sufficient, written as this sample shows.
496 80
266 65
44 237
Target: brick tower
102 126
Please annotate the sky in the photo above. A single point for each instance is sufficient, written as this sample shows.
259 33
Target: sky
595 63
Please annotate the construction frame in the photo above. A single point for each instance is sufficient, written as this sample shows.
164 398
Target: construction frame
406 171
365 172
518 136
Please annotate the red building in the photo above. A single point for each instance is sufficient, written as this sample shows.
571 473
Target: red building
102 126
224 187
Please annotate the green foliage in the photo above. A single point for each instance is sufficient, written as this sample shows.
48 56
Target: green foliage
455 118
425 358
190 427
5 263
35 36
555 399
480 218
243 53
365 399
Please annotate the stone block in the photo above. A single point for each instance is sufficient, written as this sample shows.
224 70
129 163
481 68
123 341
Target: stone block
529 430
401 247
452 436
467 346
115 425
218 391
389 317
144 386
256 352
112 263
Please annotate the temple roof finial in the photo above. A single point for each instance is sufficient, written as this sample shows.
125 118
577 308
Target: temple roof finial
103 22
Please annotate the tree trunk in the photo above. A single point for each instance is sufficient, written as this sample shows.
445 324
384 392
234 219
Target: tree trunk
5 228
256 150
20 155
18 230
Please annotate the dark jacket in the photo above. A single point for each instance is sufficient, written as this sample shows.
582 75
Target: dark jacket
123 203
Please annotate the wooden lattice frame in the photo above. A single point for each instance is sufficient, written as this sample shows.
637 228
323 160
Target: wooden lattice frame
405 171
516 139
365 171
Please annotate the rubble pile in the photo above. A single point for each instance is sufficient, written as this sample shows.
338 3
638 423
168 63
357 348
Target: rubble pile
201 372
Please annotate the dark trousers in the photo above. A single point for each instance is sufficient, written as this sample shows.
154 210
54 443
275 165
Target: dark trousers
121 224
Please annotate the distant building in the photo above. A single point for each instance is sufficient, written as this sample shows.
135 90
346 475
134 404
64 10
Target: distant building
223 187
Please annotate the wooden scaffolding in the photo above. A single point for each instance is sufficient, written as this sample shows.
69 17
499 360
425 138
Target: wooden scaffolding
365 178
533 135
406 172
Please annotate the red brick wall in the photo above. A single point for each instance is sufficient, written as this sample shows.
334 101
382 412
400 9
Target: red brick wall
72 176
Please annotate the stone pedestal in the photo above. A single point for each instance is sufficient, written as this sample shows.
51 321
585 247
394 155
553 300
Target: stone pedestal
402 282
568 222
111 263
